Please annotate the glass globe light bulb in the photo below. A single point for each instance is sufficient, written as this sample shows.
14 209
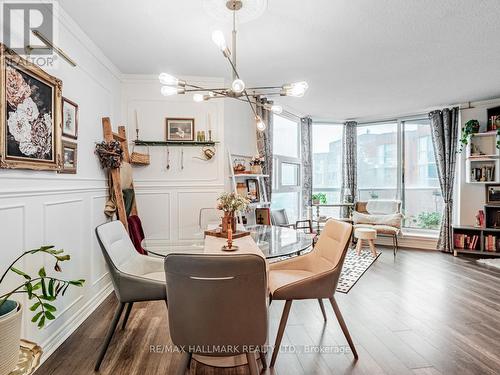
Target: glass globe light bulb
238 86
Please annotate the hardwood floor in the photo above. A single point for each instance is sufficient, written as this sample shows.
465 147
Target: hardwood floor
423 313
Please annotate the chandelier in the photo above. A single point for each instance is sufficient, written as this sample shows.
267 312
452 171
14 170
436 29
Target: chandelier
238 89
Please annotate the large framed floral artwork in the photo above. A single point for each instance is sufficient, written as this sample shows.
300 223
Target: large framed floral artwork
30 115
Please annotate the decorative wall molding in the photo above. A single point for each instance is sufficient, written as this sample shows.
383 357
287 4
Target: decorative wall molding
50 344
17 193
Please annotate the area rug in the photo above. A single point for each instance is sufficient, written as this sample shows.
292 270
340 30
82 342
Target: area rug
354 267
490 262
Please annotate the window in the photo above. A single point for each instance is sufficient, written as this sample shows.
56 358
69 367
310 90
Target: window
396 161
378 161
286 167
327 163
422 199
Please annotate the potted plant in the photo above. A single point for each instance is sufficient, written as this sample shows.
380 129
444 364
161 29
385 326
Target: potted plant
319 198
43 290
256 164
230 203
470 127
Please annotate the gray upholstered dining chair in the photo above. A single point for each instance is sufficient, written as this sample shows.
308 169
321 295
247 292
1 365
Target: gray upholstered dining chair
217 302
135 277
312 276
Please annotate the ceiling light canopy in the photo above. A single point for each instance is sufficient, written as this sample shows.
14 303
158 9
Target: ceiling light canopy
238 89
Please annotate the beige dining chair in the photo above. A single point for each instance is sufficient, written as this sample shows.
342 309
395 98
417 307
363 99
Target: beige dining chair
217 305
312 276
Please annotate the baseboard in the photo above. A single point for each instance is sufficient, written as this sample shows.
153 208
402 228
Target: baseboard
410 242
57 339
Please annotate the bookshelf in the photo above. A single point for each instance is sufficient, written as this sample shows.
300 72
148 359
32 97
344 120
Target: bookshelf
482 159
238 179
465 235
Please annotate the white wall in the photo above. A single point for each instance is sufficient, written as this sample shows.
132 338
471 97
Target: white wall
471 196
169 200
39 208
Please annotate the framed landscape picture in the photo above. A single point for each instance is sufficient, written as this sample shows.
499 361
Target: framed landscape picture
180 129
69 118
253 189
69 155
30 115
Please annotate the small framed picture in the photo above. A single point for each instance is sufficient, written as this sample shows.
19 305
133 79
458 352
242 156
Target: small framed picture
180 129
69 119
69 154
493 194
253 189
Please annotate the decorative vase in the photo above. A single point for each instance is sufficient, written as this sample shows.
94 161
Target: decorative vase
228 221
10 337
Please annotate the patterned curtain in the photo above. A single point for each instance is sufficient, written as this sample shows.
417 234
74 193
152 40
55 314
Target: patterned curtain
306 152
265 145
444 129
349 162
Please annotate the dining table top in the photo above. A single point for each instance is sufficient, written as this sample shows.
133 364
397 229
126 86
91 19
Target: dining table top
273 242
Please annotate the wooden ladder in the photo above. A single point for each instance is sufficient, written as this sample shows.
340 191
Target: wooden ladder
114 173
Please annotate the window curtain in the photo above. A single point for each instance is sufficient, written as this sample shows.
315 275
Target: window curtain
306 153
265 145
444 130
349 163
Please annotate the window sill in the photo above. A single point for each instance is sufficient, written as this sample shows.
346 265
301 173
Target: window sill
420 233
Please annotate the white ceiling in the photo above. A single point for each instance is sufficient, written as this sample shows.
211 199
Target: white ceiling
361 58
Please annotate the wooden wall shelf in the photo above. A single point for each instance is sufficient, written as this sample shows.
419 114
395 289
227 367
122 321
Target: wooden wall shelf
175 143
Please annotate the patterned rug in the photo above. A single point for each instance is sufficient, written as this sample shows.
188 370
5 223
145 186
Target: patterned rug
354 267
490 262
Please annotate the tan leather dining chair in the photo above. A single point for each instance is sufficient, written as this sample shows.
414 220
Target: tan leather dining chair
312 276
217 305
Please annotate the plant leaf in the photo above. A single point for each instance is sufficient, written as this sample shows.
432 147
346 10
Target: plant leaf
29 289
65 288
63 258
42 272
41 323
37 286
49 307
37 315
21 273
49 315
35 306
44 288
51 287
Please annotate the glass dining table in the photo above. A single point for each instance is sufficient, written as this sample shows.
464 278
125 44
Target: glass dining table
273 241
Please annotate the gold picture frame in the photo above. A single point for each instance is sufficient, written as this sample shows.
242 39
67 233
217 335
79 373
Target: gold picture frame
69 152
29 97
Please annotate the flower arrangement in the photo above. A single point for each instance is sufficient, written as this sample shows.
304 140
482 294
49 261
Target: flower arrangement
29 125
231 202
43 289
110 154
257 161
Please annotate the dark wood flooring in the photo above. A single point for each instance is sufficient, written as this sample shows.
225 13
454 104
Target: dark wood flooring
423 313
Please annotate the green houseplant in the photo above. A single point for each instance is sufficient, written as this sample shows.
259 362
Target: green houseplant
42 290
470 127
319 198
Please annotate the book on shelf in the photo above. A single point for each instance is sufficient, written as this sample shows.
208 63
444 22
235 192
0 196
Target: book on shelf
466 241
483 173
490 243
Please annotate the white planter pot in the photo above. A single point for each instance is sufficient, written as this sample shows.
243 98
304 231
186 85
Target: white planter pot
10 337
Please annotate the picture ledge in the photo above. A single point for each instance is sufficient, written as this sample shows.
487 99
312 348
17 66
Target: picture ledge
175 143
